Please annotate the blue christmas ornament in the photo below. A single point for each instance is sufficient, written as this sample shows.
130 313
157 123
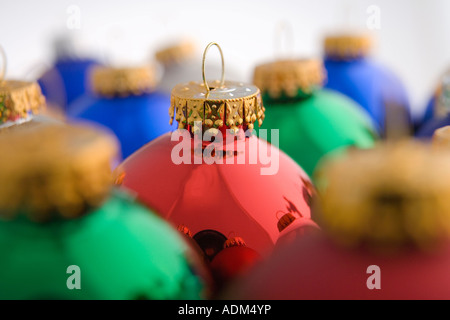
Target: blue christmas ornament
437 107
371 85
66 80
440 111
124 101
429 111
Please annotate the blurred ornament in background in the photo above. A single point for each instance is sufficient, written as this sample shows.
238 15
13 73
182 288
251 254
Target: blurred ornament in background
60 211
435 107
221 186
385 219
351 71
312 121
179 65
126 101
441 111
67 79
22 103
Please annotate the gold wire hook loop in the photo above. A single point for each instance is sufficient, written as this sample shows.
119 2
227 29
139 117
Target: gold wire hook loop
222 80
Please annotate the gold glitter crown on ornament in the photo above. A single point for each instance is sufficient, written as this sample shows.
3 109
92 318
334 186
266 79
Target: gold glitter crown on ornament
175 53
218 104
122 82
19 99
54 171
441 139
347 46
288 77
387 197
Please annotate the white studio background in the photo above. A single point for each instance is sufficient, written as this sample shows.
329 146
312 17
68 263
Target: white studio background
411 39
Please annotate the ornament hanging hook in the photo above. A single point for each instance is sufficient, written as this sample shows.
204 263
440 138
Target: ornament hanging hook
3 70
285 28
222 79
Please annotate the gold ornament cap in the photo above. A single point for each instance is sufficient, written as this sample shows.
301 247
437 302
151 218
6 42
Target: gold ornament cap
289 78
392 196
441 139
122 82
285 221
19 100
234 242
54 171
216 104
347 46
175 53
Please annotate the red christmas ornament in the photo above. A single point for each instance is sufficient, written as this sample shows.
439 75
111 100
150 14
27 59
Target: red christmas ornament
385 217
233 261
201 189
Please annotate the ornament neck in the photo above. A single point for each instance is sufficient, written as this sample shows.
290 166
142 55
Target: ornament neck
16 122
301 96
349 59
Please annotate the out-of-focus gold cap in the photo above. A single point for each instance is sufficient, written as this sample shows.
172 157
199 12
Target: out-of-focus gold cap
122 82
288 77
175 53
19 99
54 171
347 46
387 197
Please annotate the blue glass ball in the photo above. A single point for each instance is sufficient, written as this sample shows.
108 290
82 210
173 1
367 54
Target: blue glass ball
429 111
135 119
66 81
372 86
427 130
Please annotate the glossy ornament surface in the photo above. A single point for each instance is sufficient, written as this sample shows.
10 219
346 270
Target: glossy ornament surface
125 101
229 199
312 122
76 237
385 220
351 72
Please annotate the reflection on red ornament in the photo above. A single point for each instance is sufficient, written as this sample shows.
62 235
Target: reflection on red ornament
233 261
292 228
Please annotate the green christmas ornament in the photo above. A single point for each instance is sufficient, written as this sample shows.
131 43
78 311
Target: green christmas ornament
312 122
65 233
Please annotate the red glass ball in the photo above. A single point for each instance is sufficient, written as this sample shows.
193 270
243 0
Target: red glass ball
227 198
315 268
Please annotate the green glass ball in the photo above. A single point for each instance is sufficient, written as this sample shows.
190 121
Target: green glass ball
315 125
123 251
